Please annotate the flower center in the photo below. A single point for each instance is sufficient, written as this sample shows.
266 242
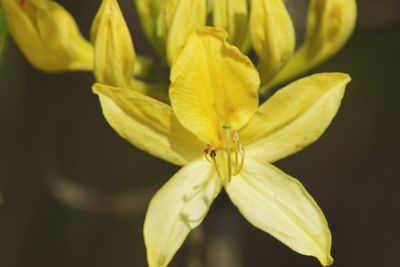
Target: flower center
231 162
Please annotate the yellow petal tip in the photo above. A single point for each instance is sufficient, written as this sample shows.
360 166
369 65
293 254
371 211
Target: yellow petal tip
327 260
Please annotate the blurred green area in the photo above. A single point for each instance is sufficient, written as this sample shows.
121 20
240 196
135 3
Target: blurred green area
3 33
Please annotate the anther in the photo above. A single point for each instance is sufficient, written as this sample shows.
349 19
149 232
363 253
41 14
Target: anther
210 151
235 137
207 149
240 149
213 152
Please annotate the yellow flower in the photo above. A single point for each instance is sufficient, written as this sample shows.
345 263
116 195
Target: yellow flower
47 35
215 128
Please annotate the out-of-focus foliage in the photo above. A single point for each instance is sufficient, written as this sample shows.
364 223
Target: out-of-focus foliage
3 32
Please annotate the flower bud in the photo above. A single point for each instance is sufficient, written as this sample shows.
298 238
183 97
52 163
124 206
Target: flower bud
272 34
149 12
180 17
233 16
167 22
114 54
329 25
47 35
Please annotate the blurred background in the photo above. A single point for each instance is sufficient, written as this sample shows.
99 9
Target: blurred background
73 193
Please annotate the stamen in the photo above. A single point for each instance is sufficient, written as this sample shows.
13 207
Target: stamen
236 158
227 128
217 168
241 149
232 169
235 137
211 154
207 150
242 153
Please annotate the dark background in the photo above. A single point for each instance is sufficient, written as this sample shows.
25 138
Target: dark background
74 193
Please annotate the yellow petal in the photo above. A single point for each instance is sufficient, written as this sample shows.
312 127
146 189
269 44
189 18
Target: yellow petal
177 208
279 205
294 117
48 36
212 83
148 124
272 34
114 55
330 23
185 15
232 16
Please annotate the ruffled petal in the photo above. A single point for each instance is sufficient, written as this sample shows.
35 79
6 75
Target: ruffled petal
212 84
